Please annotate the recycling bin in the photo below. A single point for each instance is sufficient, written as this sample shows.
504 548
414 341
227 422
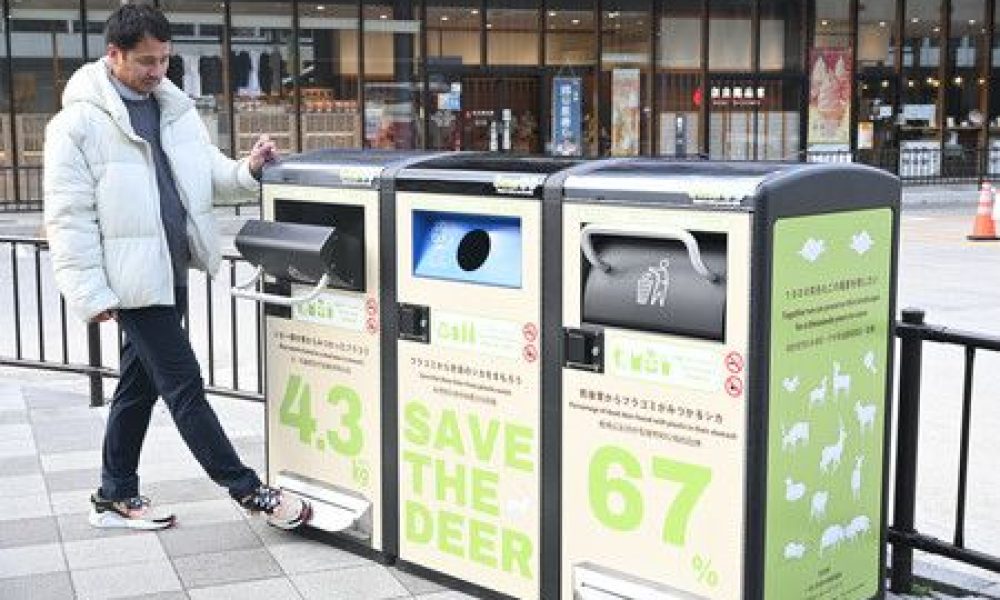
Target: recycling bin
726 347
321 247
469 293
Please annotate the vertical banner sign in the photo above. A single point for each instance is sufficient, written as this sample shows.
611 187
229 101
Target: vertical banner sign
829 95
829 339
567 131
625 112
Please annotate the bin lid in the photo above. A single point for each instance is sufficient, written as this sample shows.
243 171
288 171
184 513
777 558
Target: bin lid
338 168
482 174
684 182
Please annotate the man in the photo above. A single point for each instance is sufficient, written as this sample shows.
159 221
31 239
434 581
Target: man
130 177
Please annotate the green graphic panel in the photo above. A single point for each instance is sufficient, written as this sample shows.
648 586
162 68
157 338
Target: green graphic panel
830 324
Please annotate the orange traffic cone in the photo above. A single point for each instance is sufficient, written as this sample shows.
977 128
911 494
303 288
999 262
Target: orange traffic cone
984 228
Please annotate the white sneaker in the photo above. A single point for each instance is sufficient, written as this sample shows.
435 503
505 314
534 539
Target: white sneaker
284 511
131 513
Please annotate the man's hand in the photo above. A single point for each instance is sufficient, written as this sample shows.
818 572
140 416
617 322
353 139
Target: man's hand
263 151
106 315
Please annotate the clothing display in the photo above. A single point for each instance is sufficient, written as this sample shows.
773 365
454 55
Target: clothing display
192 78
175 71
210 68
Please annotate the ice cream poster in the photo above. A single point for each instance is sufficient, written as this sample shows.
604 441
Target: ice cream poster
830 96
625 112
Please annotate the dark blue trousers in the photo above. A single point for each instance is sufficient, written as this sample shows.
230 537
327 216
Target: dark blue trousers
157 360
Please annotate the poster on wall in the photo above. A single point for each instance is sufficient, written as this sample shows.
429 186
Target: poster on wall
625 112
830 96
567 124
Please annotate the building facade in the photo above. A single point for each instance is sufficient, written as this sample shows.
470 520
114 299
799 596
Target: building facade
907 85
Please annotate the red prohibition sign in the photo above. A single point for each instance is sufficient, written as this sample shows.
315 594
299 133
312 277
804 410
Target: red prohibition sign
530 331
734 362
371 325
530 353
371 306
734 386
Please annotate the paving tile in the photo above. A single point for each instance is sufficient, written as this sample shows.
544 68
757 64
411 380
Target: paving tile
28 560
65 413
446 595
19 465
185 541
43 586
204 512
140 547
27 507
123 581
205 570
39 397
22 485
15 448
10 416
162 596
272 536
182 490
363 583
76 479
264 589
70 461
70 503
87 438
415 584
12 399
75 527
313 556
28 532
18 432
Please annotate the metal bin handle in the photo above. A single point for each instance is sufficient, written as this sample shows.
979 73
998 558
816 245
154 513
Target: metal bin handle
670 233
242 290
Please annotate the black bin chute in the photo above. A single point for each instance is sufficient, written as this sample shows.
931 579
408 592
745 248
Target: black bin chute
301 253
664 280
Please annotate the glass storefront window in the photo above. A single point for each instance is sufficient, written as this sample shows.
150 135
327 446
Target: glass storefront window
196 62
569 33
329 73
993 114
453 33
919 116
731 118
678 79
877 84
964 117
512 32
261 56
778 98
625 117
44 53
392 83
7 194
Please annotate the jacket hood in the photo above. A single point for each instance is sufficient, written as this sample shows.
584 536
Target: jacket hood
91 83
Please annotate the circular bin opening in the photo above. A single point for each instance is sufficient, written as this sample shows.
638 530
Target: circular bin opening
473 250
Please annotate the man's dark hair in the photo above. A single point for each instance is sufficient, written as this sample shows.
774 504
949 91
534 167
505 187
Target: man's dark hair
127 26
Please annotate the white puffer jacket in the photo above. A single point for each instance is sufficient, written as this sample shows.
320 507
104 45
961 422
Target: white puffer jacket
102 212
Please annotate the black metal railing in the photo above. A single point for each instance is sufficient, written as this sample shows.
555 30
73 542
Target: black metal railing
904 537
82 346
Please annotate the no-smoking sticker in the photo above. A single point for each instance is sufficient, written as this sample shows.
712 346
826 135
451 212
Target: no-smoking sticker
734 386
371 306
530 353
734 362
371 325
530 331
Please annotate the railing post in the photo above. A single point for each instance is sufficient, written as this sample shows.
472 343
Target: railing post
94 361
910 352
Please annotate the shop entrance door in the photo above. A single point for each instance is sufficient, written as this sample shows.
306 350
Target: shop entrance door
501 113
